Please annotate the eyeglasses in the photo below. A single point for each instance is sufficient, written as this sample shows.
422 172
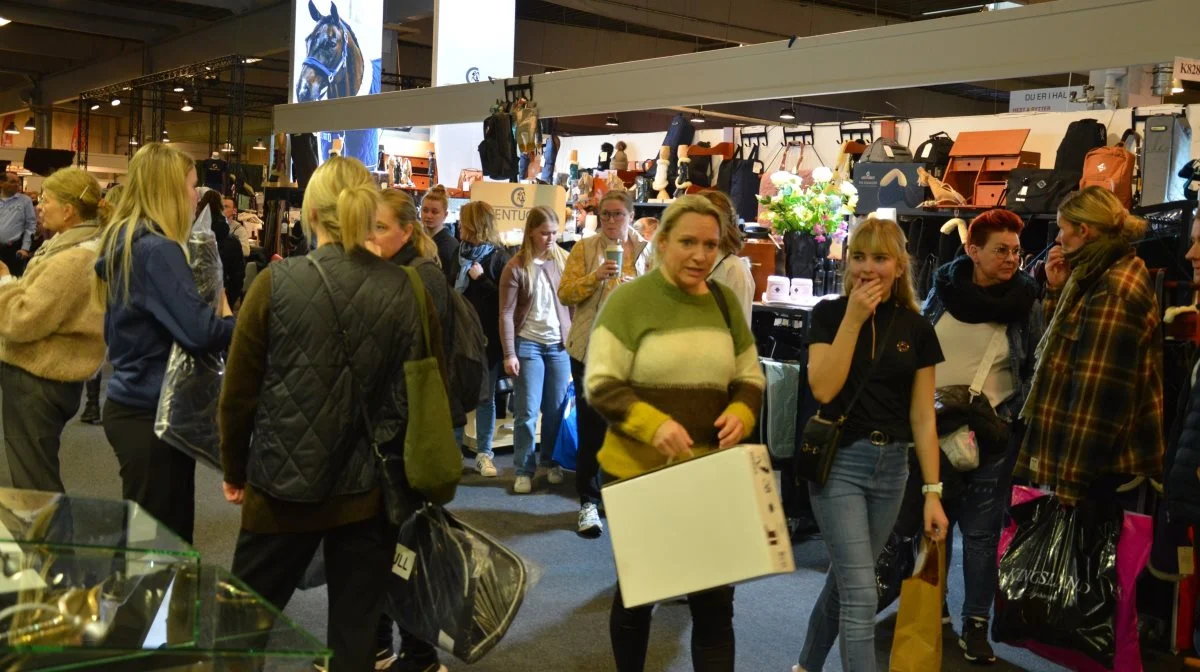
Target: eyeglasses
1005 251
614 215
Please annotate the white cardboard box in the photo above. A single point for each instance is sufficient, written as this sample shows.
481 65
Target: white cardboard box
710 521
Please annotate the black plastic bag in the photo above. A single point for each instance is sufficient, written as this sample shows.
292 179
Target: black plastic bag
191 389
1058 578
894 564
452 585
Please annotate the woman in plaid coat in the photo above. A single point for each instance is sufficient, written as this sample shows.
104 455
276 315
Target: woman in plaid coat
1095 412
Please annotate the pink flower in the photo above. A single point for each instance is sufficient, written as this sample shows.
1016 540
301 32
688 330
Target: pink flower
820 239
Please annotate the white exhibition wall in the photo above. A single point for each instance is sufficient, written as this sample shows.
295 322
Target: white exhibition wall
1046 131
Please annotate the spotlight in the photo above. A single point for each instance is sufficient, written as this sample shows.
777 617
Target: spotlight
259 144
178 88
250 60
95 106
786 114
187 106
165 137
698 119
29 125
11 129
133 142
115 101
611 121
227 148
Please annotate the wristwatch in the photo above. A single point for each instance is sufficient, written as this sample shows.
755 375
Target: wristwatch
935 488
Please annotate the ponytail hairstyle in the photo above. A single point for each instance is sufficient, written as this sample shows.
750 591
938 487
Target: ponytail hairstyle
77 188
525 256
1100 209
340 201
157 195
402 206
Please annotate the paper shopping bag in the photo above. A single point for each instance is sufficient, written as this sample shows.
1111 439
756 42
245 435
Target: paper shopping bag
917 646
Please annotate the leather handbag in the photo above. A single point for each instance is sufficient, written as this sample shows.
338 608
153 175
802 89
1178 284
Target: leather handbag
822 437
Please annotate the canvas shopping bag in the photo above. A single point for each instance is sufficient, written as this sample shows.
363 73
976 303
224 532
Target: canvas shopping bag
917 645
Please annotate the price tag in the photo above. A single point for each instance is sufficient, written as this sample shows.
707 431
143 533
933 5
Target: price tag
888 150
603 156
403 562
1187 561
928 150
1024 190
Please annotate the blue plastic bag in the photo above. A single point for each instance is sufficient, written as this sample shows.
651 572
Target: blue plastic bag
567 444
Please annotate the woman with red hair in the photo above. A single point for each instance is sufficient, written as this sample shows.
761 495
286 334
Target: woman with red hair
985 313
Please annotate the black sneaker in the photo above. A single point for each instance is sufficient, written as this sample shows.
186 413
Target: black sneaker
408 662
91 414
974 642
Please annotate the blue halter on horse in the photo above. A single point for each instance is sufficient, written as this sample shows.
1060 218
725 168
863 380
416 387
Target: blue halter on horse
341 79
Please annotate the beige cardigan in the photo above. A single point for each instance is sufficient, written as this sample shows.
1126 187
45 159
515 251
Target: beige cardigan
49 325
586 293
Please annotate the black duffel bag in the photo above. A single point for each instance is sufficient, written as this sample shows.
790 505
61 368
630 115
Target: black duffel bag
1038 191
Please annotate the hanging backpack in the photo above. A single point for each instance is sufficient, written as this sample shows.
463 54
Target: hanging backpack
935 153
679 132
498 151
886 150
738 177
701 168
1039 191
605 158
1111 168
1081 137
467 359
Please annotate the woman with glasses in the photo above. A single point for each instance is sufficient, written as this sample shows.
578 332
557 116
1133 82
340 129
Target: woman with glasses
587 281
975 299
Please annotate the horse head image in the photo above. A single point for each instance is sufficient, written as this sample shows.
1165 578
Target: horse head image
333 66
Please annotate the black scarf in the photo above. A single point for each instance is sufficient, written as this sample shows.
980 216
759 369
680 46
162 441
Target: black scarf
1006 303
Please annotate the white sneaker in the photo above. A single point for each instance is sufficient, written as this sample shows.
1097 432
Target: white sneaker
485 466
589 522
797 668
523 485
555 477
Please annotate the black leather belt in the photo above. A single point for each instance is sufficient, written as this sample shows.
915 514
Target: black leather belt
876 438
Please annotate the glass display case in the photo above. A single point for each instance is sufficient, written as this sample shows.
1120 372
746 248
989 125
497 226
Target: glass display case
91 583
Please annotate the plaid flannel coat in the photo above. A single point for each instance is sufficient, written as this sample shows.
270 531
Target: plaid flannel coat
1099 409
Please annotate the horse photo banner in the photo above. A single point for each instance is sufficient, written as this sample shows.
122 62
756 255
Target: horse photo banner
338 54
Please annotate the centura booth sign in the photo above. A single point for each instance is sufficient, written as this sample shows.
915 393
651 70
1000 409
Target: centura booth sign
511 203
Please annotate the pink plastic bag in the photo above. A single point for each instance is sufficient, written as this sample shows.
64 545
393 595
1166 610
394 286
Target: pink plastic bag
1133 551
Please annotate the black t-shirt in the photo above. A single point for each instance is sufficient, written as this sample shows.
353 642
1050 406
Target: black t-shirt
885 402
447 246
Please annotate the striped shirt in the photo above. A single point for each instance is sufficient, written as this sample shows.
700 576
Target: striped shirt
658 353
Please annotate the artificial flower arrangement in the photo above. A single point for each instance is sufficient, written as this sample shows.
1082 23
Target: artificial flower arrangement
819 210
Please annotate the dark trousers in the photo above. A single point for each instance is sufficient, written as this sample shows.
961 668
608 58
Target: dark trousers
35 410
8 255
591 428
712 631
161 479
93 388
358 557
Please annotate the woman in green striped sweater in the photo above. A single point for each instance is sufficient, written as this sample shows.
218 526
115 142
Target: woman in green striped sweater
676 376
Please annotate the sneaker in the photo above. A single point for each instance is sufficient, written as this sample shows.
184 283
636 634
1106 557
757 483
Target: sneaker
555 477
385 658
408 663
523 485
485 466
91 414
946 620
589 522
974 642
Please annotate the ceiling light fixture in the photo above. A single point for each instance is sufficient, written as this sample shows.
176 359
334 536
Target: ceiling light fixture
251 59
698 119
95 106
227 148
259 144
786 114
115 102
29 125
187 106
133 142
611 121
178 88
4 21
11 129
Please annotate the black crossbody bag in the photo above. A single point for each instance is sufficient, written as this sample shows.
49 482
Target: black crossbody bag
822 437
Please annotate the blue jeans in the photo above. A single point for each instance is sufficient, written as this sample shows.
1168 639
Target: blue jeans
545 374
485 417
856 509
979 514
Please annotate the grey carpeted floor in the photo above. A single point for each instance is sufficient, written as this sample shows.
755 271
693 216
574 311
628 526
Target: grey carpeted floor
563 625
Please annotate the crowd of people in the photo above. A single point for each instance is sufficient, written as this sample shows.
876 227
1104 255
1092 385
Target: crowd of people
655 333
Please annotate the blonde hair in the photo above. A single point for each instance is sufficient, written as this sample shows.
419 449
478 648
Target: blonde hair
402 206
157 193
1100 209
731 237
883 236
525 256
681 206
113 195
624 196
478 218
437 193
343 199
77 188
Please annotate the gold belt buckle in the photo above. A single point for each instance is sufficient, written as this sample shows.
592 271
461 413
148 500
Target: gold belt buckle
878 438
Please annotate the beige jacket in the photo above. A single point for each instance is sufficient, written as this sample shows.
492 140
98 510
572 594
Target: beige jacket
586 293
49 325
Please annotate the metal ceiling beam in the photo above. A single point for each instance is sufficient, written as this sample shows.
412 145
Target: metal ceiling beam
12 61
48 16
1038 40
40 41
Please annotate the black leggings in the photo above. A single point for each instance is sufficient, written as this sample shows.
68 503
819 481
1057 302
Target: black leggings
591 428
712 631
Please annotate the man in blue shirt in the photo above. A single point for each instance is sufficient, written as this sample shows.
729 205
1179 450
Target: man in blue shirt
18 221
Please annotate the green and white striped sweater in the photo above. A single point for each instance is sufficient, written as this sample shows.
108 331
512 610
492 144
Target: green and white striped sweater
659 353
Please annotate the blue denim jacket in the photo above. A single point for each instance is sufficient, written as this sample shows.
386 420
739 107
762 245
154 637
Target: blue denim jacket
1022 343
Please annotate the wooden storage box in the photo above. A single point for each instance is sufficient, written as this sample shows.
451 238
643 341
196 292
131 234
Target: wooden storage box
980 162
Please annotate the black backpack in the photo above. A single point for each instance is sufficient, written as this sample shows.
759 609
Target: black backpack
605 158
739 178
498 151
679 132
886 150
700 170
466 362
1081 137
935 153
1039 191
